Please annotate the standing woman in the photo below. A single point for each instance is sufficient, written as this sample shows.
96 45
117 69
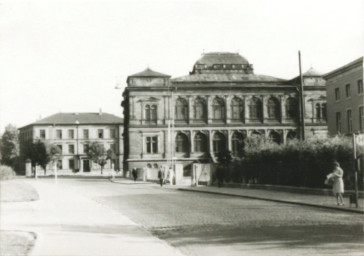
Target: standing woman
338 183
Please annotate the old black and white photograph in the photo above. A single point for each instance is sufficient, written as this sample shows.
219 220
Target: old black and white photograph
181 128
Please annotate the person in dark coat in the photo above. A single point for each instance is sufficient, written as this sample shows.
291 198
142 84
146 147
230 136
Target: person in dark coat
135 174
220 176
160 177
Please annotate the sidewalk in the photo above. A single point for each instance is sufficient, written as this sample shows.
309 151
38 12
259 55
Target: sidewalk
70 224
327 202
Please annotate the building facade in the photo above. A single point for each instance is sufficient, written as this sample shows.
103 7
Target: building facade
72 133
345 98
190 119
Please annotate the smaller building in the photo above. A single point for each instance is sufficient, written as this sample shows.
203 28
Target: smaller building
345 98
72 133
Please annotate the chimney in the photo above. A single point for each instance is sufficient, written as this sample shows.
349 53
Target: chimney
100 111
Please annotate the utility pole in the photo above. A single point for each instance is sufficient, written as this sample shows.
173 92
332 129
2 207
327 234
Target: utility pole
301 98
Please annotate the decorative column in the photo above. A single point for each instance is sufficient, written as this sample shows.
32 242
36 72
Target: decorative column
246 108
192 142
229 142
209 109
283 109
210 143
132 108
265 109
190 109
227 109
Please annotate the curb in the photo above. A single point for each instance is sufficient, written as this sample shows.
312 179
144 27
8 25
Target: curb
277 201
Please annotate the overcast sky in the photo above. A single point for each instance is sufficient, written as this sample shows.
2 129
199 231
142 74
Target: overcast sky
67 56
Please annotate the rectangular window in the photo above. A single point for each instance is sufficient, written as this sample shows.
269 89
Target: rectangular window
85 148
42 134
360 86
112 147
85 134
60 148
112 133
338 122
71 134
71 149
337 93
347 91
349 120
152 144
71 164
361 118
59 134
59 165
100 133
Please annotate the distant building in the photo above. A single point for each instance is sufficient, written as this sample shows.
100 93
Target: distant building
345 98
72 132
190 119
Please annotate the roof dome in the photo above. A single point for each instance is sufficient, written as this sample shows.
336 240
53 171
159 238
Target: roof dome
222 62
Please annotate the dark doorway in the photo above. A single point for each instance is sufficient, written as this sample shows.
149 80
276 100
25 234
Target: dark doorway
86 165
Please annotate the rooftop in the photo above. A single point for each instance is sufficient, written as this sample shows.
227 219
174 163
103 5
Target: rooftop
221 58
149 73
82 118
229 77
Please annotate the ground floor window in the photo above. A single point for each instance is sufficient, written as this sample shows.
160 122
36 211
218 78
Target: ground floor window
152 144
71 164
59 165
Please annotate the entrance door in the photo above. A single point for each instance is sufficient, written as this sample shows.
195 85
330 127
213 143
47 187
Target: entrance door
86 165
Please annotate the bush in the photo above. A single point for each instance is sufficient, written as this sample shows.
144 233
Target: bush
297 163
6 172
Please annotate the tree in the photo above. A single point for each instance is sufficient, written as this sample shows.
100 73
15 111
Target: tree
97 153
9 146
54 153
224 159
36 152
110 154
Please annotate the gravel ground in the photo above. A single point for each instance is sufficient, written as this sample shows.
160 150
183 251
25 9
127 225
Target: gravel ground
17 191
16 243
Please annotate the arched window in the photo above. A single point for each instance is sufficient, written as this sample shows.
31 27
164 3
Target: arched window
237 143
149 165
200 142
147 112
218 108
200 109
218 142
181 110
291 108
273 108
155 166
318 111
323 111
255 109
153 113
181 143
237 109
291 135
275 137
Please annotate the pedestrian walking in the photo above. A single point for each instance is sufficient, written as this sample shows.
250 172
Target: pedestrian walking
134 173
336 176
160 176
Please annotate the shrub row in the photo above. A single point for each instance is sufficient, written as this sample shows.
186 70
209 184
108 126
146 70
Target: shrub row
297 163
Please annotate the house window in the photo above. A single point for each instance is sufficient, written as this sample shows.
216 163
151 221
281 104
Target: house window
218 142
181 143
100 133
112 133
152 144
338 122
200 109
323 111
360 86
218 107
59 165
237 143
361 118
349 120
59 134
181 110
237 109
200 142
60 148
150 112
273 108
347 91
85 148
71 164
255 109
71 134
318 111
112 147
42 134
291 108
337 93
71 149
85 134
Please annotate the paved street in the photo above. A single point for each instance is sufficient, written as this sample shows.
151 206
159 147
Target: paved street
204 224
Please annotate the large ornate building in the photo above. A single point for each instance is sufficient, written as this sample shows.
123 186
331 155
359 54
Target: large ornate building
191 118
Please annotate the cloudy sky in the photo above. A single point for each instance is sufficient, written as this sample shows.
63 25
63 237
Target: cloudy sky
67 56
